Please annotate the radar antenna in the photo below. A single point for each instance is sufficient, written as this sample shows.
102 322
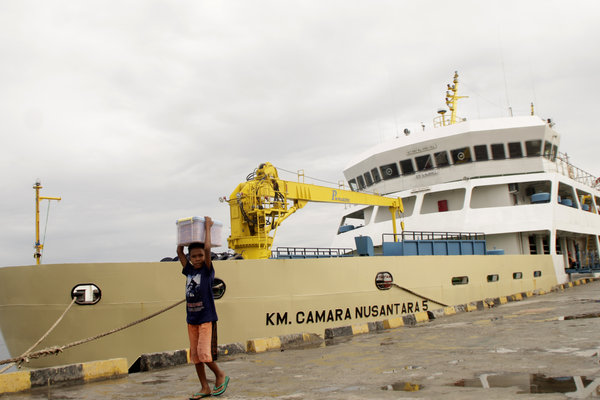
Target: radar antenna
451 99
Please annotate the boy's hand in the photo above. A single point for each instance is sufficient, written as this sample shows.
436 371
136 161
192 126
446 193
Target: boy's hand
208 222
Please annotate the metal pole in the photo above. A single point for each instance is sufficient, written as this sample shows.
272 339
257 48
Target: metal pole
38 246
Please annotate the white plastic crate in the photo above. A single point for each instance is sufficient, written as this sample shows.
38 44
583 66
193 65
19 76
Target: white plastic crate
191 230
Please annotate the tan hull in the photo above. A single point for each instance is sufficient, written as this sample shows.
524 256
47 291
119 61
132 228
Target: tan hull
263 298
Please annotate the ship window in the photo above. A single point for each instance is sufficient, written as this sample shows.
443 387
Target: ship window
352 184
460 280
517 275
515 150
462 155
493 278
361 182
585 199
537 274
376 176
566 196
481 153
441 159
532 245
389 171
368 179
454 198
384 214
498 151
547 150
533 148
407 167
424 162
554 152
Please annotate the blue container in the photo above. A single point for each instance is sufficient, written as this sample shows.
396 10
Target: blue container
364 246
540 198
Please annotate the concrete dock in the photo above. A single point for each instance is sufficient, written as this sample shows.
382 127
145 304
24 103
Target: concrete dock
542 347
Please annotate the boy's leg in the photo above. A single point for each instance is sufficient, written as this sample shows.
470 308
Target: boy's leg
219 374
202 376
193 333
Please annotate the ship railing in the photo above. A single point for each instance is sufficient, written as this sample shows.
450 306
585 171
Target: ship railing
432 235
585 262
565 168
311 252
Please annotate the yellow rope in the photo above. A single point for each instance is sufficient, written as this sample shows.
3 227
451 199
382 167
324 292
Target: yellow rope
59 349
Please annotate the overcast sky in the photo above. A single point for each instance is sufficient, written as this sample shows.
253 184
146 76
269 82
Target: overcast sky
138 113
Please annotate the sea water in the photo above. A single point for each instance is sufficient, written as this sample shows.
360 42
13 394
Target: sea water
4 354
3 350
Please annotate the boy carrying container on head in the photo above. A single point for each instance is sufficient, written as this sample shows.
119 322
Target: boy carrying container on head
201 313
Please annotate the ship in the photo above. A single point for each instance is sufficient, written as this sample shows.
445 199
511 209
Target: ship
461 212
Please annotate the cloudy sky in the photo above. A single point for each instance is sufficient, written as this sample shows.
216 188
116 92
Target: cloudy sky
138 113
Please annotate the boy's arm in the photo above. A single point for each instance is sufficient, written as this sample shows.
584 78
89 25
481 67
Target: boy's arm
208 223
181 256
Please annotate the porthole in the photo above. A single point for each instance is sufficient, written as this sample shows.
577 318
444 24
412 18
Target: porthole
493 278
384 280
517 275
537 274
218 288
86 294
460 280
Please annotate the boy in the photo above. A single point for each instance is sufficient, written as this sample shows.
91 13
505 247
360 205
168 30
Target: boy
201 313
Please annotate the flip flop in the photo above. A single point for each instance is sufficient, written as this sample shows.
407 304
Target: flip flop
219 390
199 395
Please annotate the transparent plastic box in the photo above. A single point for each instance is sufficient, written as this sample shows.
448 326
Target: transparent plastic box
191 230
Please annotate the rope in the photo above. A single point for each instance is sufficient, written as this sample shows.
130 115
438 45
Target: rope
309 177
60 349
418 295
42 338
46 226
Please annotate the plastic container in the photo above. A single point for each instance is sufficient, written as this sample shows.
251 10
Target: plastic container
191 230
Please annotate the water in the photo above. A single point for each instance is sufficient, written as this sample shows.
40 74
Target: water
4 354
3 350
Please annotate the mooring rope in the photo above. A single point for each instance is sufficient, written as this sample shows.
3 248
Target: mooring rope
418 295
43 336
59 349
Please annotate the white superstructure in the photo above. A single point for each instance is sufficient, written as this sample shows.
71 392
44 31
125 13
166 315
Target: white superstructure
502 177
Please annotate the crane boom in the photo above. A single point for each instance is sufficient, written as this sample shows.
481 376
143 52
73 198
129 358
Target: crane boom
260 205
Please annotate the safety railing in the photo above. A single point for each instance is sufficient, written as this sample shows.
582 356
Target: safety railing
564 167
431 235
310 252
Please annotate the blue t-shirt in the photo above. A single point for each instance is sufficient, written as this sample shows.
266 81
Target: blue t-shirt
198 294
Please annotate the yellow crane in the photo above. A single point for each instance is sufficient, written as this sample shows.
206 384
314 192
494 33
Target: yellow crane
259 205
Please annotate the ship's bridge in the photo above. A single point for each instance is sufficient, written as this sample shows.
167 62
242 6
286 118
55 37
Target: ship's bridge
471 149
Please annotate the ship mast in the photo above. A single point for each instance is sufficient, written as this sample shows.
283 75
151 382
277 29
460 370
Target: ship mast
452 98
37 245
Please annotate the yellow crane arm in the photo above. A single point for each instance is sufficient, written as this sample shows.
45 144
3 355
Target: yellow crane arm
260 205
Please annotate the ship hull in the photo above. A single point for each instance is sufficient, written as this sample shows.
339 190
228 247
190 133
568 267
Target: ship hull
263 298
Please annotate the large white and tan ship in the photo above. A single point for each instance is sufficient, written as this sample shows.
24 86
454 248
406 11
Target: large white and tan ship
491 207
